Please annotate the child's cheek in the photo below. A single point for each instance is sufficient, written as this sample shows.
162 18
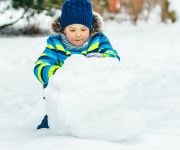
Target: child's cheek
70 37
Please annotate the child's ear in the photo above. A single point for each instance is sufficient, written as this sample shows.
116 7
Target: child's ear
64 32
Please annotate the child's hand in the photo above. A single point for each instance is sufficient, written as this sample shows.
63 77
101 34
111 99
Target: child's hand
99 55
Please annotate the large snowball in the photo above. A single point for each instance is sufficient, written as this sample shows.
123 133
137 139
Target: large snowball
85 98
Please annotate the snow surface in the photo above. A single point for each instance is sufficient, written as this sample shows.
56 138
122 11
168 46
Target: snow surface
150 83
88 101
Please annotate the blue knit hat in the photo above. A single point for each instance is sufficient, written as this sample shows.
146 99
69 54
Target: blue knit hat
77 12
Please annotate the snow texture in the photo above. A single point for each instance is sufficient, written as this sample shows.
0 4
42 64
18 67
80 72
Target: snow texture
149 84
86 98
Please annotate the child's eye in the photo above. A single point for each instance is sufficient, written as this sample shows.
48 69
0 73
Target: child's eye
83 29
71 30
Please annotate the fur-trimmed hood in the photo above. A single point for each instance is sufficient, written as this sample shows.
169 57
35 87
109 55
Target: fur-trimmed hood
97 25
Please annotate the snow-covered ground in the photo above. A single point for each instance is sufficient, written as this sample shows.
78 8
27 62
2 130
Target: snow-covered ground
149 58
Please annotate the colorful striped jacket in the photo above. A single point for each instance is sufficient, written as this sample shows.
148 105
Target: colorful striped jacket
56 53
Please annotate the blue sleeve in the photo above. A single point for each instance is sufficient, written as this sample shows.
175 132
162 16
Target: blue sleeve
47 63
106 49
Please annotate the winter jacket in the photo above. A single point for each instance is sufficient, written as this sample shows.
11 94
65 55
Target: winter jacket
57 51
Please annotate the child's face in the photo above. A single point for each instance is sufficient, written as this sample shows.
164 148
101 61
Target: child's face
77 34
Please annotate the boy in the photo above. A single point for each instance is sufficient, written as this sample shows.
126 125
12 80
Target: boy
78 32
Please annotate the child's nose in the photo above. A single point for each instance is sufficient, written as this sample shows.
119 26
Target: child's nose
78 34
